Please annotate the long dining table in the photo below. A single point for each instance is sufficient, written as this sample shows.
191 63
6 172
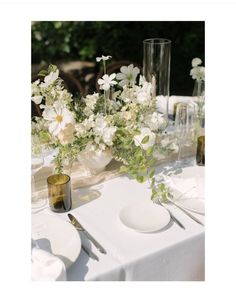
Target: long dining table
170 254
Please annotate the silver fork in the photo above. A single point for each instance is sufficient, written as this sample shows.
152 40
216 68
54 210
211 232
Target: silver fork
174 219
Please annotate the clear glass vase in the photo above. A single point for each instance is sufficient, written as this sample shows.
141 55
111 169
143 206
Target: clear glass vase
156 69
199 99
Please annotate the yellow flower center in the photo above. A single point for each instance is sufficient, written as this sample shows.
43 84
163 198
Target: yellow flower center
59 118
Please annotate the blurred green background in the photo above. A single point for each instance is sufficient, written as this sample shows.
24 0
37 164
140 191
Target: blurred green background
56 42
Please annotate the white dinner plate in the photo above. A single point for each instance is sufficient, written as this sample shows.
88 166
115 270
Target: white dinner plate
195 204
145 217
56 236
190 181
188 189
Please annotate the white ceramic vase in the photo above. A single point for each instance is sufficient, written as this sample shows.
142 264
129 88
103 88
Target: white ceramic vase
95 161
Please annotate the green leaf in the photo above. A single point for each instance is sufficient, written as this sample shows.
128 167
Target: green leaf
140 179
143 169
43 73
152 173
154 195
149 151
153 183
145 140
162 186
152 162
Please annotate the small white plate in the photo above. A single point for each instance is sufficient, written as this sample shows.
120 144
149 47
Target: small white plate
56 236
194 204
145 217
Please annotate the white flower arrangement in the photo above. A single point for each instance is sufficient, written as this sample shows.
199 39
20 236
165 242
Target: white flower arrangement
197 72
122 120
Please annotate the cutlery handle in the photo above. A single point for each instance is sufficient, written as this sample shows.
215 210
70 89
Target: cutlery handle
176 220
189 214
93 240
172 216
90 253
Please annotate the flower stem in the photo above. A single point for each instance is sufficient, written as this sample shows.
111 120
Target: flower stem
104 67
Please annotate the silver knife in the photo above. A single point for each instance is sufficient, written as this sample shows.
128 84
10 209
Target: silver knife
79 227
90 253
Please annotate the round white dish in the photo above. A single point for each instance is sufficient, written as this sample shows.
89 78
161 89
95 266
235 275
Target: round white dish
145 217
195 204
56 236
188 188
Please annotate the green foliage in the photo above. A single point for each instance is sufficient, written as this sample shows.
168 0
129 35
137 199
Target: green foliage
139 164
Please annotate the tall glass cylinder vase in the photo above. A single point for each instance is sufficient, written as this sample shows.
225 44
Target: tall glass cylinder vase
156 69
199 100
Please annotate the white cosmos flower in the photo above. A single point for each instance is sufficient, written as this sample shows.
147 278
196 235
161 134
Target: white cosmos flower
145 132
106 81
196 61
108 135
59 117
49 79
104 58
37 99
128 75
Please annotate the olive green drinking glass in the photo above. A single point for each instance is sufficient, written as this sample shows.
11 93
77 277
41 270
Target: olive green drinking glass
59 192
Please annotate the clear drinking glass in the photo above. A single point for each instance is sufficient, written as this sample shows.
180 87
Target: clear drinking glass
156 69
182 126
37 202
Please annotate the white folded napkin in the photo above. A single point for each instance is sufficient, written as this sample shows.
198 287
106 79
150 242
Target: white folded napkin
186 188
46 267
171 102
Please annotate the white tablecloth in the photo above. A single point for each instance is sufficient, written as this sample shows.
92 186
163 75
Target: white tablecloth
171 254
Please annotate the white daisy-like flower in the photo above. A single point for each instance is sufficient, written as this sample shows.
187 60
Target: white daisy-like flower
103 57
196 61
59 117
50 79
128 75
107 81
143 133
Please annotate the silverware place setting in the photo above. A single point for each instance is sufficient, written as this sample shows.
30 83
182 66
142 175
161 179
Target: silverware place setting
81 229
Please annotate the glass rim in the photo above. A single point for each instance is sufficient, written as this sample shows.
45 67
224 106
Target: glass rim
157 41
51 177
